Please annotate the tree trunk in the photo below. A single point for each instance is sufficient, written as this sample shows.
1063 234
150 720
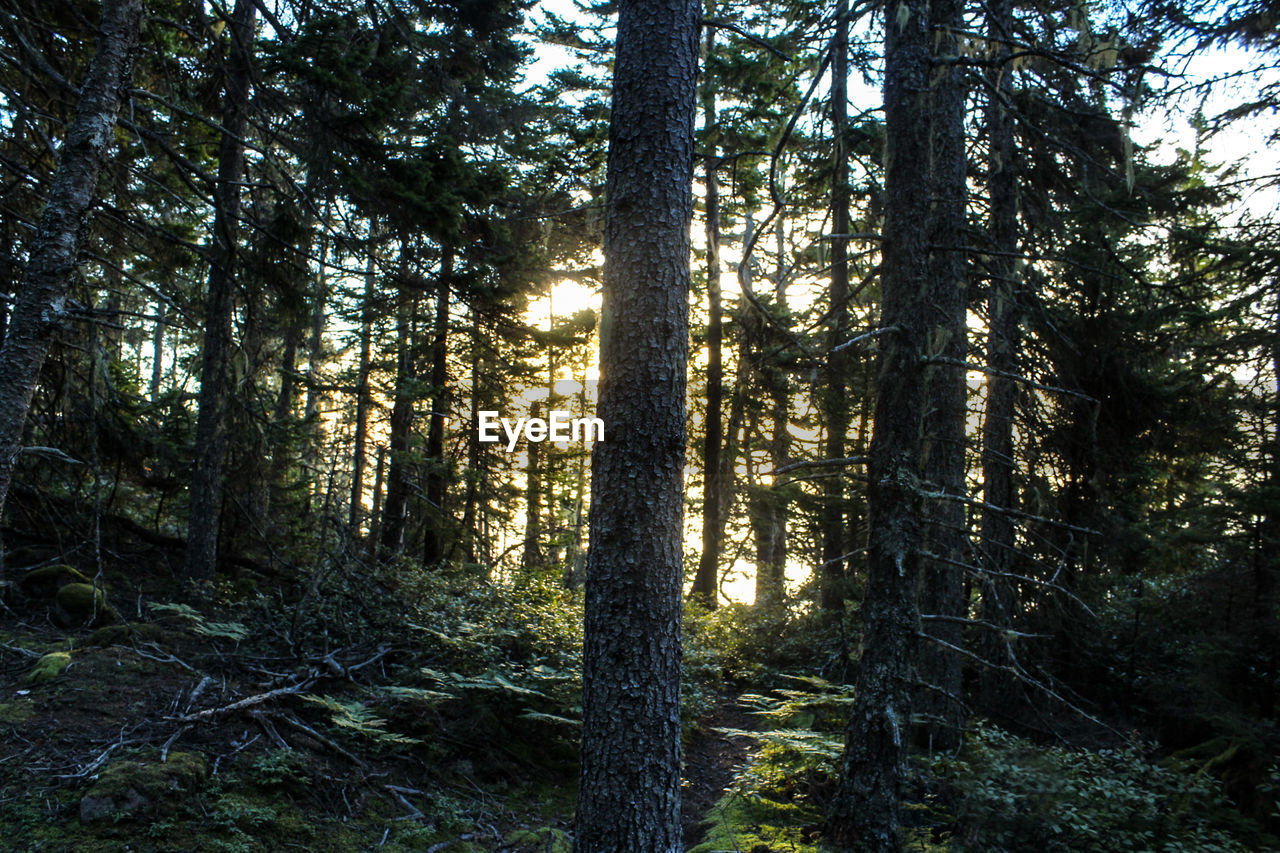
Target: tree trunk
1002 392
211 427
41 304
315 359
706 581
393 512
433 545
942 590
865 811
475 455
834 400
770 516
359 450
531 554
157 349
629 786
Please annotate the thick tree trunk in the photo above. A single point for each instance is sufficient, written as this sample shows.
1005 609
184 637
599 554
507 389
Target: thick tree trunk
706 581
211 427
998 593
865 811
41 304
942 590
433 545
629 786
835 406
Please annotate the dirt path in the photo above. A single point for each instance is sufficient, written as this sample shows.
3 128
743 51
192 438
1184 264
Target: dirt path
710 760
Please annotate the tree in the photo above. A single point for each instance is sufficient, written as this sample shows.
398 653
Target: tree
864 813
41 307
629 783
942 585
211 428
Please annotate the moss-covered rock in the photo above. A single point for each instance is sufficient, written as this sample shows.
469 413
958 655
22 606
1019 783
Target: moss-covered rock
544 838
127 789
127 633
83 604
42 585
48 667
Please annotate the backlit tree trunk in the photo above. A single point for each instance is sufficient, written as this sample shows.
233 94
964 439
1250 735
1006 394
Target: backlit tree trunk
706 582
865 812
211 425
942 589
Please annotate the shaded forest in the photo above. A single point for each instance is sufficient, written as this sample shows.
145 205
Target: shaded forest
935 353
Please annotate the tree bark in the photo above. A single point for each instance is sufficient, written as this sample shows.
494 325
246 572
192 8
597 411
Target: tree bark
40 310
359 450
942 589
531 556
433 545
211 427
393 510
629 785
1002 392
706 581
831 573
865 810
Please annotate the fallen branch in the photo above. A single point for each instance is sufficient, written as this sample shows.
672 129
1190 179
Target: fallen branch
248 702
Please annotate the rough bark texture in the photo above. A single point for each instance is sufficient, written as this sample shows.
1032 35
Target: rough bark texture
865 811
942 590
41 307
433 544
629 786
1002 342
211 425
706 581
835 405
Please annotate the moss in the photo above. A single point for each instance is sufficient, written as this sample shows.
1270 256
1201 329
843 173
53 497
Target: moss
543 839
124 634
43 583
48 667
18 711
128 788
83 603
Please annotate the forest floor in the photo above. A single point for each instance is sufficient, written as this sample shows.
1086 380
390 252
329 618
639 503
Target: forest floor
172 731
711 758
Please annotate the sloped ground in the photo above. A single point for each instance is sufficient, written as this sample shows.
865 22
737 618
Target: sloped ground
182 733
173 727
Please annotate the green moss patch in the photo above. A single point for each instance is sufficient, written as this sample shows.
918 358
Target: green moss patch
127 633
128 788
83 604
48 667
